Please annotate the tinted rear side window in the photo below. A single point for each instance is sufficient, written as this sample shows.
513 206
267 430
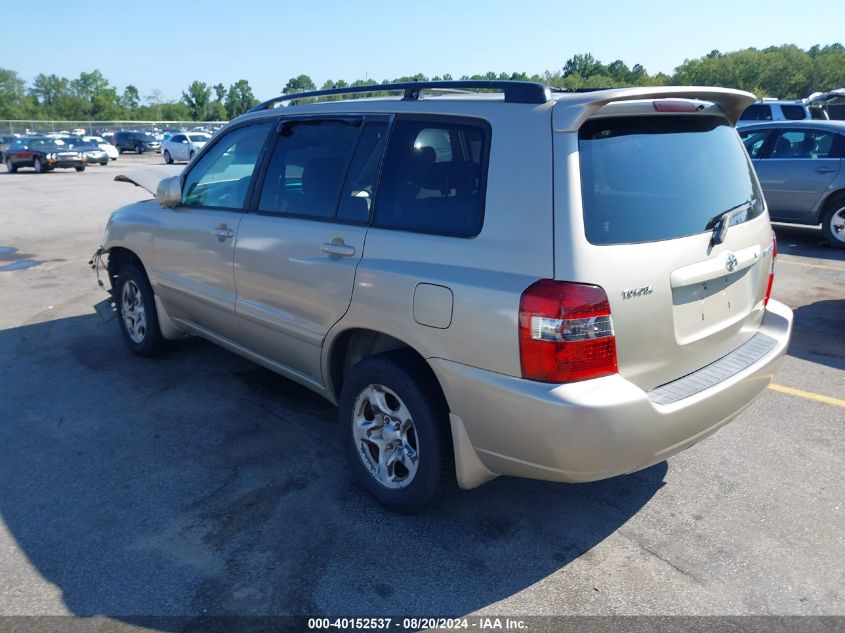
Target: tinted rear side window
793 112
757 112
434 177
646 179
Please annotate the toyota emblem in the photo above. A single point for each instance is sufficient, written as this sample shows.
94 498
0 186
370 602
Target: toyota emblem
731 262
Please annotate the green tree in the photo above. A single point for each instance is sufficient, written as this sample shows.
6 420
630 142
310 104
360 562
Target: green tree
89 85
219 92
584 65
48 89
216 111
130 99
14 103
177 111
197 98
302 83
239 98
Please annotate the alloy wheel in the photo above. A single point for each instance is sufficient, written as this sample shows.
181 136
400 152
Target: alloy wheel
132 311
385 436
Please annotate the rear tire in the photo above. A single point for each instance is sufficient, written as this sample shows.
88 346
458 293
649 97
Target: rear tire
137 315
403 456
833 222
139 149
80 168
191 156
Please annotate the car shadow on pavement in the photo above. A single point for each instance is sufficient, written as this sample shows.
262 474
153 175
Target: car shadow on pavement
198 483
805 241
818 333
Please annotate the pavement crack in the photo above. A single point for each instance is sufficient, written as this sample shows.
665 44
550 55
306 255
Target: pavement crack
648 550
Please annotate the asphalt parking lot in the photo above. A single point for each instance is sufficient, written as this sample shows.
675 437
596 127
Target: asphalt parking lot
199 483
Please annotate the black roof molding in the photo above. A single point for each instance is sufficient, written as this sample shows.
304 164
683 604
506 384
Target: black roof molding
514 91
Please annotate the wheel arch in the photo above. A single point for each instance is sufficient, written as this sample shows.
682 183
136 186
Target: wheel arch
351 346
828 198
121 255
118 257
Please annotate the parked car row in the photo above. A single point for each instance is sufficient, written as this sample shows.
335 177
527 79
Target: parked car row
819 105
45 153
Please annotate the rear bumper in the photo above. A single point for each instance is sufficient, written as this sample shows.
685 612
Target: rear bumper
593 429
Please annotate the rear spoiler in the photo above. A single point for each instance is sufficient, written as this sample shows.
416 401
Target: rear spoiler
572 110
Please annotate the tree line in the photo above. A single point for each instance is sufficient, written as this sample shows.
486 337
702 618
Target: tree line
787 72
90 97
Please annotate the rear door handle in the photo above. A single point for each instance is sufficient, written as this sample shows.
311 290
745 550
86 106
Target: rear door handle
223 233
338 249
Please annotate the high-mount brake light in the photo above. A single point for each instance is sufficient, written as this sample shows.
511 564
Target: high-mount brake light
674 105
565 332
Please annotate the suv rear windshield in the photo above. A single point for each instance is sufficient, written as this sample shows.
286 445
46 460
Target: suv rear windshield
651 178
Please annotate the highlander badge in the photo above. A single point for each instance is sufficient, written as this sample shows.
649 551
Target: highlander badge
630 293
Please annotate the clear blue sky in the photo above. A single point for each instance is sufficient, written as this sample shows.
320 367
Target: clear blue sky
165 45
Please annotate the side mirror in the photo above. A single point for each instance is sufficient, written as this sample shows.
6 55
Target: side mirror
169 191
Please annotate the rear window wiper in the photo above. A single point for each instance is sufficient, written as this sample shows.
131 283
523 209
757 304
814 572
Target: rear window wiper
721 221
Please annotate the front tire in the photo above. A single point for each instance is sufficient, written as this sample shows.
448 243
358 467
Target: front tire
394 427
138 317
833 222
80 168
168 158
38 165
139 149
10 166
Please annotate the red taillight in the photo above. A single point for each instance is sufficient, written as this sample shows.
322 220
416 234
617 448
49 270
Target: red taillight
771 270
565 332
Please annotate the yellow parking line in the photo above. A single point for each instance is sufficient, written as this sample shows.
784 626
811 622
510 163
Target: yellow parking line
809 395
792 262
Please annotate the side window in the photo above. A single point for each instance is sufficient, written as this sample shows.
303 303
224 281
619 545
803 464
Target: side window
356 200
794 112
434 177
803 144
754 142
757 112
178 138
221 177
308 166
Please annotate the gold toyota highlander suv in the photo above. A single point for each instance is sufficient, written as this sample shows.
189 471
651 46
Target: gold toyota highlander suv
487 278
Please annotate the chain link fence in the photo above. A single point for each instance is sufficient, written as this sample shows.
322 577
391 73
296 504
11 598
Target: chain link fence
101 127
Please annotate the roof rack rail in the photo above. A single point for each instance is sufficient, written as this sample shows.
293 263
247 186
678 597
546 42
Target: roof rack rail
514 91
